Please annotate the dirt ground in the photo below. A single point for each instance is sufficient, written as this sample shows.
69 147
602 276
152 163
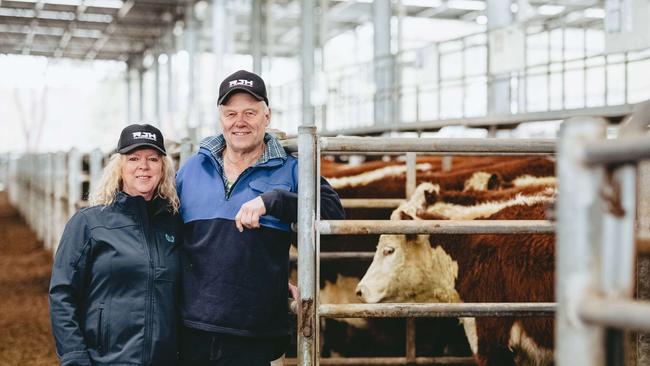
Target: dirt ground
25 335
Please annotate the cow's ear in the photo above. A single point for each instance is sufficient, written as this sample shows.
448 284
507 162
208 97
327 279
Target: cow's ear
430 197
404 216
495 181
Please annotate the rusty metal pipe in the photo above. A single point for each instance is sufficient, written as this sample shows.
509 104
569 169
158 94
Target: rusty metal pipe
363 227
435 310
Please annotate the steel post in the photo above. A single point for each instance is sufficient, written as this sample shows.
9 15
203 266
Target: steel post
577 344
307 321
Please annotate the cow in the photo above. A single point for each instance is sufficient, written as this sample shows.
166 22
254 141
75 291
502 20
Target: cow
388 181
377 337
477 268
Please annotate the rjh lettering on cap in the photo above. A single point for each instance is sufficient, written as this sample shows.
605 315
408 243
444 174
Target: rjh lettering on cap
144 135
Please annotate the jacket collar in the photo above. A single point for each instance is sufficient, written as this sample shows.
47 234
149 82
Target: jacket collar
131 203
274 150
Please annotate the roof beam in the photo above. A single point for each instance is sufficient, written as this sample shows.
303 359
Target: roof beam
29 37
110 29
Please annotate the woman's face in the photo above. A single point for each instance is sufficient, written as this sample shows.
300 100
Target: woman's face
141 173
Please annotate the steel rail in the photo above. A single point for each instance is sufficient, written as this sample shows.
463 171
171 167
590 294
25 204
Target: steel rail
363 227
435 310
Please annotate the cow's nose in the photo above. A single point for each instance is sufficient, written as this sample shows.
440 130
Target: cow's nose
360 291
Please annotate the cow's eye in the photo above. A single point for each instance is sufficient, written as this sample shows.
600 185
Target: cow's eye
389 250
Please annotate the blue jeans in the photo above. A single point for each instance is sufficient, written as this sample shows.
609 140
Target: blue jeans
201 348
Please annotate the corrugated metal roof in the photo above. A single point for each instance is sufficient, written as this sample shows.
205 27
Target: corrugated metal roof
85 29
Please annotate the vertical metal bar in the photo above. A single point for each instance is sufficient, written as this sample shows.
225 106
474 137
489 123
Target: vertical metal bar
156 91
307 61
411 174
523 94
625 70
439 79
38 209
322 40
584 65
307 324
141 92
59 193
171 105
316 180
606 91
74 181
463 78
269 33
256 36
96 166
563 66
492 131
129 98
410 341
549 52
447 163
384 102
190 37
643 262
417 103
396 87
576 343
618 250
48 210
185 151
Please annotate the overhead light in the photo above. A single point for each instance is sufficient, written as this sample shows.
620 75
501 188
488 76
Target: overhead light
18 13
95 18
481 19
596 13
111 4
422 3
56 15
64 2
550 9
466 5
87 33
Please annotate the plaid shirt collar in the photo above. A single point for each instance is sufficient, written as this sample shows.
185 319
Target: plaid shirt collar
273 150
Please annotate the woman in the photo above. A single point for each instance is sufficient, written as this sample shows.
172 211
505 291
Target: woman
113 292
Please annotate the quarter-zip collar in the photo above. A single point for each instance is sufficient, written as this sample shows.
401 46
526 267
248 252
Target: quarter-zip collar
214 146
136 203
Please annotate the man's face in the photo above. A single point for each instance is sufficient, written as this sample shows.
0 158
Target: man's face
243 120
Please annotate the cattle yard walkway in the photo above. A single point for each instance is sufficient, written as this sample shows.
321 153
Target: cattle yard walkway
25 266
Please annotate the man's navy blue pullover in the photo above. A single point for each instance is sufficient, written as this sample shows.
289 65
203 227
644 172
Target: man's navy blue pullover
236 282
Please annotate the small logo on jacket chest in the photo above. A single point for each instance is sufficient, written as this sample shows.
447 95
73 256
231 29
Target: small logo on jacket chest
170 238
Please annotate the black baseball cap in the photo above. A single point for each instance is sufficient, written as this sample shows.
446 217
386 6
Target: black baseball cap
242 81
138 136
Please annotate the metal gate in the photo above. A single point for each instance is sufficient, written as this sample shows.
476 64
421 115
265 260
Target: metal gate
310 227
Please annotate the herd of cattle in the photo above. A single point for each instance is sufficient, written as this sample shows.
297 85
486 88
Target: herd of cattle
444 267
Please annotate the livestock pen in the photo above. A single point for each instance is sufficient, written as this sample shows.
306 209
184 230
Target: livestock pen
310 227
48 188
617 274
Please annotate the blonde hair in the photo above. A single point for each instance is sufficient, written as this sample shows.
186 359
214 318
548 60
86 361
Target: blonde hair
111 183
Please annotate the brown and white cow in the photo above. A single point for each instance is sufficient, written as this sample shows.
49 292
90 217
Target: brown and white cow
388 179
478 268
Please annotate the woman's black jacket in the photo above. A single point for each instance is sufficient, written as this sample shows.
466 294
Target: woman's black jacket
114 287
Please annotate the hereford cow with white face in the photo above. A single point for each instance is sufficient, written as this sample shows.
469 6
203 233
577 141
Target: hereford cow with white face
479 268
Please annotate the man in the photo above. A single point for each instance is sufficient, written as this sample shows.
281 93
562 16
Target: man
238 199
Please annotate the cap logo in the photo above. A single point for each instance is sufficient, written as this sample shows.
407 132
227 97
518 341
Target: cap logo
144 135
243 82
